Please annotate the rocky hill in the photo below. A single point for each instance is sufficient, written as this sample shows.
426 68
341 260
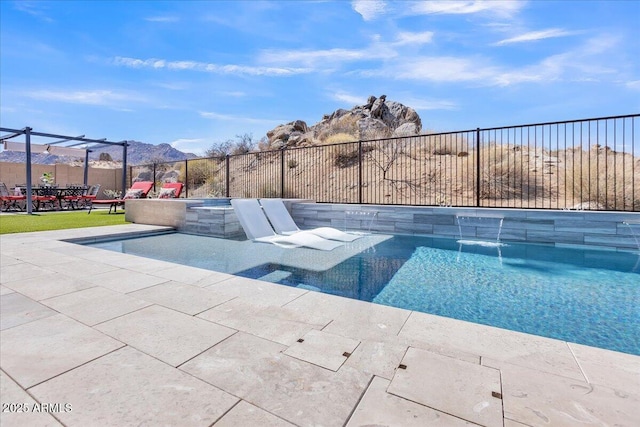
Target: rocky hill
378 118
137 153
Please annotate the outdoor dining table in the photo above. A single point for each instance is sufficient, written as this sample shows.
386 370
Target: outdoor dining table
58 192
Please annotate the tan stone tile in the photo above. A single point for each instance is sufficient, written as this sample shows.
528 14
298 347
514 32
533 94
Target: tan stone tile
256 370
39 350
123 281
18 272
246 414
378 358
128 387
52 285
379 408
95 305
612 369
527 350
323 349
257 291
450 385
351 318
16 309
178 296
182 273
4 290
23 410
536 398
256 320
81 268
165 334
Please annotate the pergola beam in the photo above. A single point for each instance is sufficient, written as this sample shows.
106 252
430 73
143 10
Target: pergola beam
28 133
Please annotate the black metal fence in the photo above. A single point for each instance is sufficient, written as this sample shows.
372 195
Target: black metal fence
591 164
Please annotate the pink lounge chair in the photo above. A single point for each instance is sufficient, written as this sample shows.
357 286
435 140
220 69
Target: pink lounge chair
138 190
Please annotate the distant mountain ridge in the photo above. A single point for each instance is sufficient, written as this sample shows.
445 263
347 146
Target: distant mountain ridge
137 153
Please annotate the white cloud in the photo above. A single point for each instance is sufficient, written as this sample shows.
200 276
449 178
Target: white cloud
404 38
162 19
33 8
90 97
207 67
501 8
634 85
369 9
186 145
228 117
311 58
442 69
535 36
348 98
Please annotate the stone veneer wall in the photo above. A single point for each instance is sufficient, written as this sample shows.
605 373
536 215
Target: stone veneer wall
185 215
581 228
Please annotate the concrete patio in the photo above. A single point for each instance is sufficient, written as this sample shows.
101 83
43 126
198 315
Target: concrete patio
97 338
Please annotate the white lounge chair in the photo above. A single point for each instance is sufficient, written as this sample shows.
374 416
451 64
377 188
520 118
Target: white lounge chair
257 228
283 223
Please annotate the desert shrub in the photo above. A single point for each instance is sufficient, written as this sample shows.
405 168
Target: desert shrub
603 179
447 144
199 171
341 150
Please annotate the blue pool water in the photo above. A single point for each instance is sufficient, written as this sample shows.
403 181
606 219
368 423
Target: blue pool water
584 296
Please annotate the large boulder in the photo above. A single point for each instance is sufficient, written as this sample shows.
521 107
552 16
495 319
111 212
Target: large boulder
377 118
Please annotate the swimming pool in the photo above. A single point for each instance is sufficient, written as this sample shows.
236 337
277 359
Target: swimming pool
589 297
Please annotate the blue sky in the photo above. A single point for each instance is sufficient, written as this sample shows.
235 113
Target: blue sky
196 73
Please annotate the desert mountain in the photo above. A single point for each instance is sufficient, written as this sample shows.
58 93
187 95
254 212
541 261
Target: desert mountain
137 153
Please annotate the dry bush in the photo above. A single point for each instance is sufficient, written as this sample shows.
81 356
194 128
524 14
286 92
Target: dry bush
600 178
445 144
341 150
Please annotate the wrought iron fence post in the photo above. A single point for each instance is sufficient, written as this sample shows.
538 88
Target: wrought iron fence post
154 177
227 169
282 171
478 180
186 178
359 171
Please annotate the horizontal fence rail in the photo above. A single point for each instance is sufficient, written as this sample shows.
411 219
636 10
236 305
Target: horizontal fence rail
590 164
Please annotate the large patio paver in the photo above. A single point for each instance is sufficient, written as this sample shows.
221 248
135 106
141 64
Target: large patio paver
16 309
166 334
51 285
258 292
540 399
188 299
95 305
323 349
518 348
123 280
39 350
612 369
246 414
466 390
351 318
257 320
10 274
25 410
128 387
257 371
379 408
380 358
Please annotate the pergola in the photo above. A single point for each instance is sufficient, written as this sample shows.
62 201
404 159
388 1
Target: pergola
52 147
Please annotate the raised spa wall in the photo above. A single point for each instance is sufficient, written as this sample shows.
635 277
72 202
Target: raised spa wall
606 230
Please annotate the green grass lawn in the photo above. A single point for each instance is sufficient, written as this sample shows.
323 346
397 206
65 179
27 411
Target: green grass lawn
42 221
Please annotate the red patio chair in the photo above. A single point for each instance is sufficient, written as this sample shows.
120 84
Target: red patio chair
10 201
138 190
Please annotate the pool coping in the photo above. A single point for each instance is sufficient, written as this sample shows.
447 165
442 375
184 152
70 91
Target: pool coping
260 326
